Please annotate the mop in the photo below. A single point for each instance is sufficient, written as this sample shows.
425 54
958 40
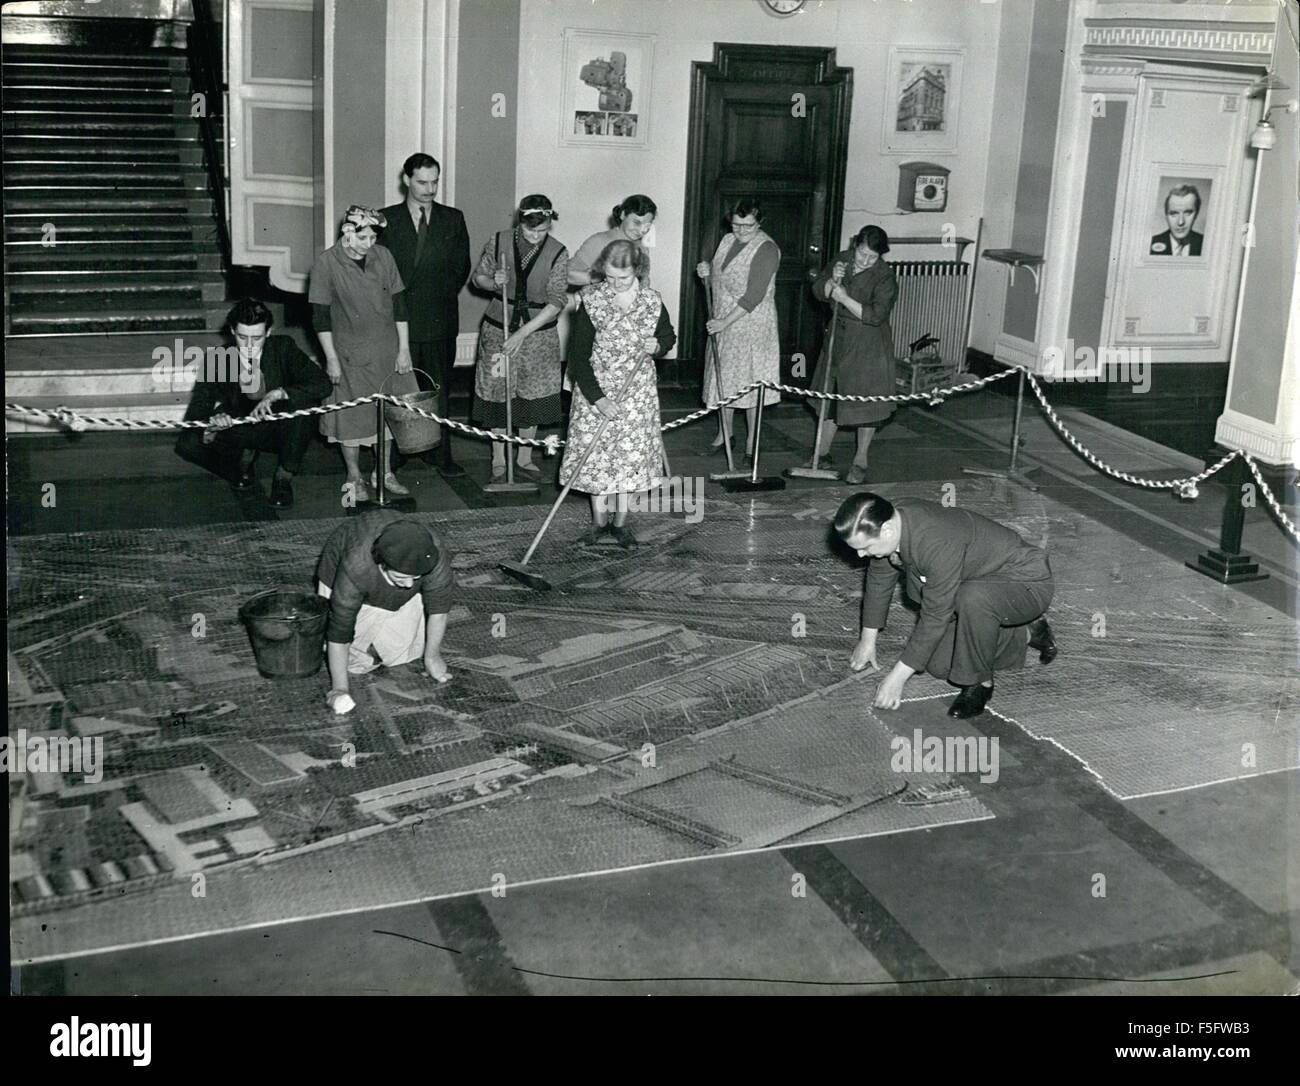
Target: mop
731 472
509 486
519 570
813 471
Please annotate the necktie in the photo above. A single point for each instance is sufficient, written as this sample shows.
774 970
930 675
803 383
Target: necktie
421 233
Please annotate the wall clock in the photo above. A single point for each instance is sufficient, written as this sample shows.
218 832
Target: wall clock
782 8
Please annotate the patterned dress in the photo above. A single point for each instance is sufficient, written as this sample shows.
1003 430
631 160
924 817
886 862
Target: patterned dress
750 348
630 455
535 366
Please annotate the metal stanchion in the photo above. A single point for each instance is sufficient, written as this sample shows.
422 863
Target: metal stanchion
1013 473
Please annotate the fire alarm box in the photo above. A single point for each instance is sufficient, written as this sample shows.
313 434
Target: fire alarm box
922 186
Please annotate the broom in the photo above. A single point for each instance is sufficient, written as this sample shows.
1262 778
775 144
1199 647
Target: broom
812 471
519 570
509 486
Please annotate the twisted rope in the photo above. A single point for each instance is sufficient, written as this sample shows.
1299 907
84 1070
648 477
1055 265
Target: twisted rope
1187 487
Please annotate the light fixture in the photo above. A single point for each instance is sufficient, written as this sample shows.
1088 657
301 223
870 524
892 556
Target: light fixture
1264 137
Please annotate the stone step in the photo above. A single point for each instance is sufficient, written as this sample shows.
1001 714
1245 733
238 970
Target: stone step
70 155
132 200
120 126
58 177
161 100
27 302
109 256
83 322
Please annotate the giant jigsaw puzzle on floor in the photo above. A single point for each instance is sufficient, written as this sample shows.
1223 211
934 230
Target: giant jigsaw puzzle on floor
681 701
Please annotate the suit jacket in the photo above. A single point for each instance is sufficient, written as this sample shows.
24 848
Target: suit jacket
283 366
433 285
939 549
1163 244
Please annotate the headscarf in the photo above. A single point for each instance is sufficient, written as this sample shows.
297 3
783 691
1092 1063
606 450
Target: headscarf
358 218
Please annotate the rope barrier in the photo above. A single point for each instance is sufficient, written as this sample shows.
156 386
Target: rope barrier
1186 488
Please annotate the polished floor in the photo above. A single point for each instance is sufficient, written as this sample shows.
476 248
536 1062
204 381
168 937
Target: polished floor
1124 846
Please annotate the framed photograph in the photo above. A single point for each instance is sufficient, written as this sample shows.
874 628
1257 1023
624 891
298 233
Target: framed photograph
922 98
605 99
1178 219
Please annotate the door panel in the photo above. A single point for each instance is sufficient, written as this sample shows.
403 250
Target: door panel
771 123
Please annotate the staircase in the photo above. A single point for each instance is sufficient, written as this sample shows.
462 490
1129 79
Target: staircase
109 224
111 241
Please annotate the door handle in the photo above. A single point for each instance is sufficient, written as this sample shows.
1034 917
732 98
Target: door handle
814 249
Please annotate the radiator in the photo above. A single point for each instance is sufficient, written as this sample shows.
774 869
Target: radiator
933 296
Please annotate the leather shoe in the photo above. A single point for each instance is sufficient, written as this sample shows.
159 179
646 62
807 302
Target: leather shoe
622 536
970 702
282 492
245 479
1040 638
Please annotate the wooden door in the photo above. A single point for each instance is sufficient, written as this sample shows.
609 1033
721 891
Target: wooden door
771 122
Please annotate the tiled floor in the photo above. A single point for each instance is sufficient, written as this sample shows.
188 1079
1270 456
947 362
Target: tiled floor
1052 878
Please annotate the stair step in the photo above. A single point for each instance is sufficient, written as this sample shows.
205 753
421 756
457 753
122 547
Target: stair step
63 56
123 235
26 176
169 182
162 103
86 322
70 155
69 72
52 304
175 258
121 127
45 283
53 203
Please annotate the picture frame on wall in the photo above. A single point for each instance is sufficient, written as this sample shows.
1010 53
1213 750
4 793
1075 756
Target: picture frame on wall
606 91
922 100
1180 216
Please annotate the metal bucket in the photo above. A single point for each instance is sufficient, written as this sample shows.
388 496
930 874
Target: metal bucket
414 433
287 629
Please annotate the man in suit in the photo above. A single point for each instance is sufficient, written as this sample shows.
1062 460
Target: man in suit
269 376
1182 206
978 583
431 246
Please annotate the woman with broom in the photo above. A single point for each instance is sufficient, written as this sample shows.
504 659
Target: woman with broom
533 269
618 323
862 286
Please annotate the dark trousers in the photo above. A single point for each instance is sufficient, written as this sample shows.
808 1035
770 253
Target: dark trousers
437 358
287 438
988 630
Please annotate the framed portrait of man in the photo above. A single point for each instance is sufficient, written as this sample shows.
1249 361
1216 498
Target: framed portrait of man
1179 216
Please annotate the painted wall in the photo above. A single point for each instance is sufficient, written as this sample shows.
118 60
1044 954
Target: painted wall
1037 148
1011 75
1257 372
585 183
359 66
1092 260
488 63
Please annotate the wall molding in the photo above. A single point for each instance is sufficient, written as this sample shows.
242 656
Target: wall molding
1015 351
1210 42
1260 439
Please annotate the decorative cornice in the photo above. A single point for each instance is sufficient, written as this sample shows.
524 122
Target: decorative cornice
1157 39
